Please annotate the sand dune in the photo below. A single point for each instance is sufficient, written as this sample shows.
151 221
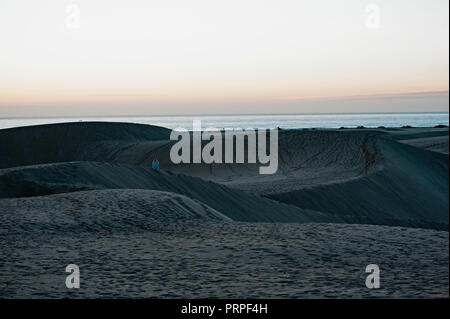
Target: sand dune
435 139
354 176
73 141
84 193
103 211
56 178
436 144
411 189
146 244
306 157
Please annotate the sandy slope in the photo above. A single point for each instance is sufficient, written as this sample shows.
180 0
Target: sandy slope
411 189
356 176
74 176
136 232
305 158
437 143
102 211
73 141
435 139
131 243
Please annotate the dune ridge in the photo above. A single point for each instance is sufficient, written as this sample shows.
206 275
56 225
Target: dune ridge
66 142
57 178
412 186
103 211
353 175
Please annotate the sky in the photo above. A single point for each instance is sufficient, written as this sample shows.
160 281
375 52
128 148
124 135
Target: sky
148 57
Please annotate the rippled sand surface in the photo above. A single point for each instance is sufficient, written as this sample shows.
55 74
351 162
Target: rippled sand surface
201 253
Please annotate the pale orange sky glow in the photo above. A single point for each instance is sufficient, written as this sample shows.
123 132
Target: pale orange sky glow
219 57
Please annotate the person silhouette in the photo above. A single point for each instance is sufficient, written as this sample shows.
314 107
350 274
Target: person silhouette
155 164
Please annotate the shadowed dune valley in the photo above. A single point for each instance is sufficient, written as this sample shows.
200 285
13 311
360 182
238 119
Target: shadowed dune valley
88 193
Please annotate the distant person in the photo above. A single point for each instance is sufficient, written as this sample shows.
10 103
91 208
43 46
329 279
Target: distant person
155 164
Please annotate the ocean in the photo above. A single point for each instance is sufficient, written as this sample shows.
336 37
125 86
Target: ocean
258 121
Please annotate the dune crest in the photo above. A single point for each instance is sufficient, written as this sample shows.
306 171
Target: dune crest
355 176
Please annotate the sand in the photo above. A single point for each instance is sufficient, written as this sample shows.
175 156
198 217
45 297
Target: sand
147 244
437 143
365 176
46 179
85 193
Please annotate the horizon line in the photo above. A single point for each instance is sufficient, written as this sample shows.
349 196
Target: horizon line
221 114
